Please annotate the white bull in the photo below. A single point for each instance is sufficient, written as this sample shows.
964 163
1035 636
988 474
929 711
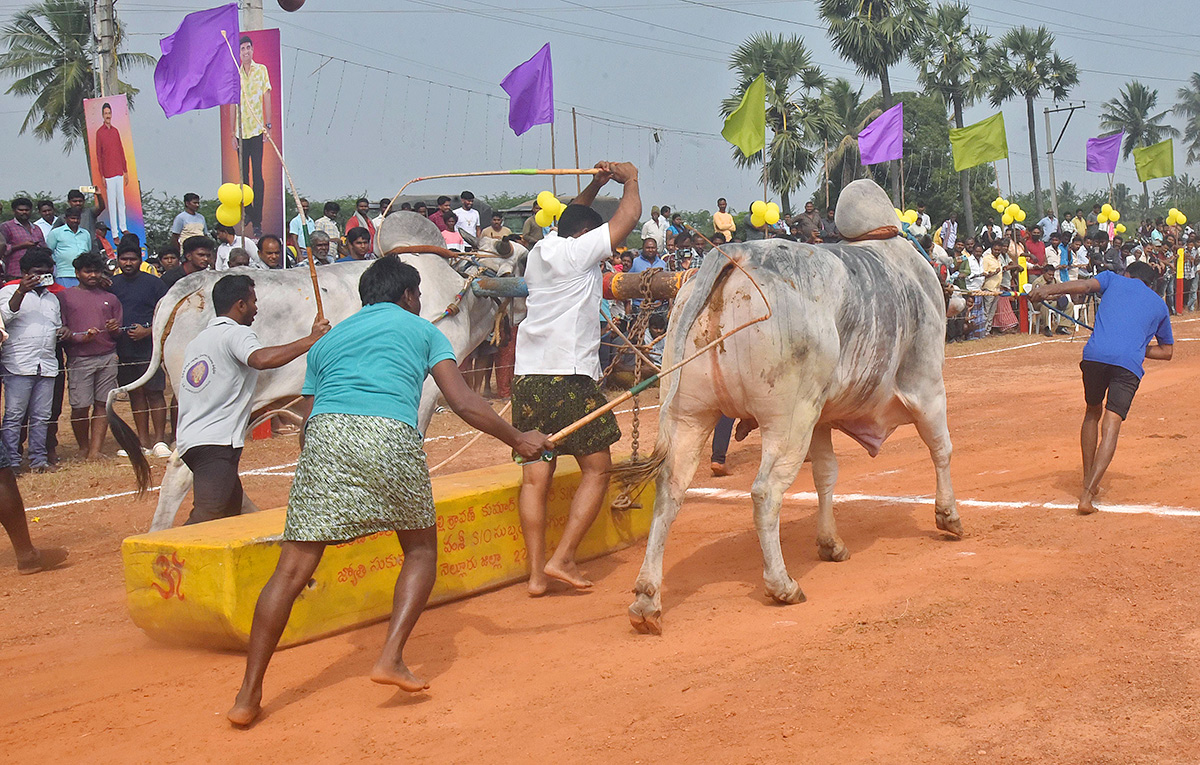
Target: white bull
855 343
285 312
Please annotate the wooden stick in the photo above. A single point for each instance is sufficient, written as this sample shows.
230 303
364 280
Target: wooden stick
575 135
519 171
553 161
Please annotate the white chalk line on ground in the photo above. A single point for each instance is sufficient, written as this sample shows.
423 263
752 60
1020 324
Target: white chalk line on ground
272 470
809 496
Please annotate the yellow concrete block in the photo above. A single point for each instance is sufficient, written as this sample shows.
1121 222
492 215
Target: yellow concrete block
198 584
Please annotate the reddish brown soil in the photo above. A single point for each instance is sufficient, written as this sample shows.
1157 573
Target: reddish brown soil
1040 637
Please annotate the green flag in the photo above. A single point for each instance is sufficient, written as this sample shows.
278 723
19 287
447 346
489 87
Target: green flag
982 142
746 127
1157 161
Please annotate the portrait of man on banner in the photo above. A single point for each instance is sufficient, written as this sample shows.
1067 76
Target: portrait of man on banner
246 156
114 169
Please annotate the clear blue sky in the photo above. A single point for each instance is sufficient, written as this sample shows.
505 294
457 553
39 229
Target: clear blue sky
418 91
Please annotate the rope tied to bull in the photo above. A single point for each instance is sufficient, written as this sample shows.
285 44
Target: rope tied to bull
876 234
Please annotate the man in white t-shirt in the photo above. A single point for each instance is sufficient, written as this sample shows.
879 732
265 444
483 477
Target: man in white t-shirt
655 228
190 222
228 240
558 368
468 216
220 371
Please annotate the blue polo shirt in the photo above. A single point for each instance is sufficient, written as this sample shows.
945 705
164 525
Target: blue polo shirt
1129 315
67 245
374 363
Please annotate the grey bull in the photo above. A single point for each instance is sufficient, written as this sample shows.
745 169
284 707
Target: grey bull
285 312
855 343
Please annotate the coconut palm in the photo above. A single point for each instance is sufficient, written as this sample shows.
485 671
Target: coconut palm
797 115
1189 108
852 114
875 35
1131 112
1024 63
949 58
49 54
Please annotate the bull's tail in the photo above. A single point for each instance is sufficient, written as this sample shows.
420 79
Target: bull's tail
634 475
124 435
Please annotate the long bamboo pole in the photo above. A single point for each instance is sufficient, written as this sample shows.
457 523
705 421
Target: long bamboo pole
479 173
575 136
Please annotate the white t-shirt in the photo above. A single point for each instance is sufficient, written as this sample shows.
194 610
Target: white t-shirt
656 230
468 220
217 388
223 251
561 332
188 225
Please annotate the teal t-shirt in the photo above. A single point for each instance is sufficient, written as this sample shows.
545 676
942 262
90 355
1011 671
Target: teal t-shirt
374 363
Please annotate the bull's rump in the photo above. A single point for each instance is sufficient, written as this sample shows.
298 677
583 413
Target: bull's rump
853 327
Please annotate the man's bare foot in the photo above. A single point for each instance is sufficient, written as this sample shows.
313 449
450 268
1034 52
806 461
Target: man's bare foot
246 708
41 560
537 584
386 673
568 573
1086 506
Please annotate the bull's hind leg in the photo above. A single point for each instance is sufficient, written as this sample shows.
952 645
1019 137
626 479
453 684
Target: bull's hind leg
783 456
931 424
825 473
174 489
687 441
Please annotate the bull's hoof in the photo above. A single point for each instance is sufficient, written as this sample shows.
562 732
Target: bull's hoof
645 616
836 552
951 524
789 595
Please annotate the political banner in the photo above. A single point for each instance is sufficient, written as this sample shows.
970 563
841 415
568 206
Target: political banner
114 169
246 154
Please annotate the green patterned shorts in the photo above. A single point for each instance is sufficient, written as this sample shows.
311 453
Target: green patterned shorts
358 475
550 403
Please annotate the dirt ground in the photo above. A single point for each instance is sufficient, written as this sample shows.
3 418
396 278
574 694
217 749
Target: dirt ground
1040 637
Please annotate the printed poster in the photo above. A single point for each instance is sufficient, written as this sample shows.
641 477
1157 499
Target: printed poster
114 169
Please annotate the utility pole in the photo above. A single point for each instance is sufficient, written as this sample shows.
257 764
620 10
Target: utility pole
106 47
252 14
1051 147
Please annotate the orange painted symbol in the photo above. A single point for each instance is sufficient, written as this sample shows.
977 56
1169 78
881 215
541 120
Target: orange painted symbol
170 571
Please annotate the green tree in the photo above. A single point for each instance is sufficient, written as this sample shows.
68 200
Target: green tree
1131 112
875 35
1188 107
797 116
949 58
843 161
1024 63
50 53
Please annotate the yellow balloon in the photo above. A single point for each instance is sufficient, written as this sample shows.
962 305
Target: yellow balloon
1120 229
910 217
1006 219
757 219
229 194
1114 216
543 218
771 216
1173 212
772 208
247 195
546 200
1020 216
229 214
559 210
1102 217
1182 219
1171 220
1012 209
759 207
1106 209
899 214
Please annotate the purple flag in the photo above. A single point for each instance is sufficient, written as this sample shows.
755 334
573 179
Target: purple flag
883 139
1102 153
196 69
530 89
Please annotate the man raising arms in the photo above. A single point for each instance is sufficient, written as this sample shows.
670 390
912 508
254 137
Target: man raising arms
558 368
1130 314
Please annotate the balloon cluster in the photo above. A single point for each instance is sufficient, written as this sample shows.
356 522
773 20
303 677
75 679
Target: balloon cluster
764 213
1010 212
233 197
908 216
550 210
1109 215
1176 218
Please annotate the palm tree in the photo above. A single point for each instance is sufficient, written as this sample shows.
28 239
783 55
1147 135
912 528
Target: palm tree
1024 63
1189 108
950 57
852 114
875 35
797 115
1130 112
50 56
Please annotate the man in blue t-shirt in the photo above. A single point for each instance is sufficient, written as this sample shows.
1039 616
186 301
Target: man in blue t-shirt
1130 314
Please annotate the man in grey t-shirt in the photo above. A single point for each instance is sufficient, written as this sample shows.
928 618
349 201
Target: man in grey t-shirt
216 391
